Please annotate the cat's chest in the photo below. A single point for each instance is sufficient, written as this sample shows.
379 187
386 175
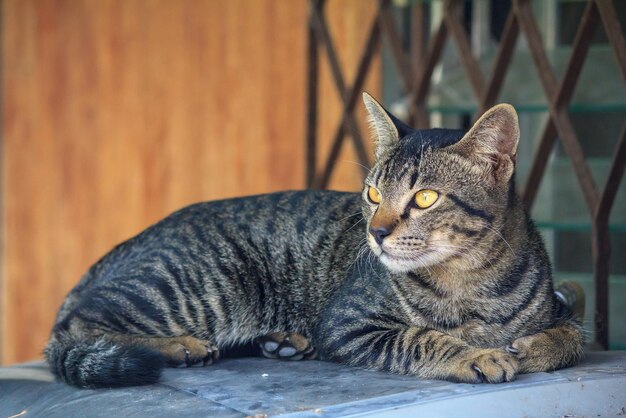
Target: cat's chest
462 314
439 307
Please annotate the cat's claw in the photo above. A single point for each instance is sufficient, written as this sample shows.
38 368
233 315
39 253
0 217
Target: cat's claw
485 366
509 348
189 352
212 354
286 346
480 373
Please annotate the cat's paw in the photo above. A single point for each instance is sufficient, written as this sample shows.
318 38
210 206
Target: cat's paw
286 346
189 352
549 349
533 352
485 365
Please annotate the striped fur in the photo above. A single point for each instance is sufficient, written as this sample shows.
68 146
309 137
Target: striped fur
460 291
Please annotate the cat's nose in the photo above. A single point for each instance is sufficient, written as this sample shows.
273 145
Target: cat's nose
379 233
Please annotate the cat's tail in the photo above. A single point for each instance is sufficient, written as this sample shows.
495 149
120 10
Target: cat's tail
572 295
100 363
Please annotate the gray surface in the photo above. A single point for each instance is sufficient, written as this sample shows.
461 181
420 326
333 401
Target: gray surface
253 386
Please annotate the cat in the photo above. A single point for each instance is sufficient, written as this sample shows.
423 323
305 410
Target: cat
433 270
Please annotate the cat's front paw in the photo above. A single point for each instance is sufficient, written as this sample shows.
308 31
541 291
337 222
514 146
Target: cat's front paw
533 352
549 349
485 365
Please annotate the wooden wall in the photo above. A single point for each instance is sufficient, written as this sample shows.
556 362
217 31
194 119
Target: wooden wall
117 112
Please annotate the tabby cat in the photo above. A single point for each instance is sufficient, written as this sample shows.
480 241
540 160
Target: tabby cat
434 270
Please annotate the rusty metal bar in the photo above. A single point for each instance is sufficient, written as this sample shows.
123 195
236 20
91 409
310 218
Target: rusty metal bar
613 32
616 38
574 151
371 47
580 48
564 95
418 35
559 115
472 69
435 48
335 149
421 86
528 25
540 162
349 97
403 65
601 244
321 31
616 173
601 252
418 52
311 103
501 64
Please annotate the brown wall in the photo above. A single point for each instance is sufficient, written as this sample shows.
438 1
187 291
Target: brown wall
116 113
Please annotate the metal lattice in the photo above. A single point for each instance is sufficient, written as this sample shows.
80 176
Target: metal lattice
415 78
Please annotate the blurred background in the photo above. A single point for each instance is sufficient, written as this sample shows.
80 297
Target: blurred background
117 112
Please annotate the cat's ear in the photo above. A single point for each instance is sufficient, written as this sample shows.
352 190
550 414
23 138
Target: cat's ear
492 141
386 128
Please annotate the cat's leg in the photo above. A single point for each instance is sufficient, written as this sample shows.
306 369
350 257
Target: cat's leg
286 346
550 349
421 352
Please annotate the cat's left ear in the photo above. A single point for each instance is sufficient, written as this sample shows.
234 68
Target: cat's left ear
492 142
386 127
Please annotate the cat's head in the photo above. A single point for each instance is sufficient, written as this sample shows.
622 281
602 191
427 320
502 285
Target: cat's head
436 197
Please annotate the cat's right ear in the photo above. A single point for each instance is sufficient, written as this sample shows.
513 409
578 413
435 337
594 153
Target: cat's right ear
492 142
385 131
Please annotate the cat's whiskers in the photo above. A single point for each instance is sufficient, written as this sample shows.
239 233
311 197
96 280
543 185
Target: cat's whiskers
462 250
500 235
365 252
419 164
370 257
354 162
470 245
355 224
349 216
362 249
424 265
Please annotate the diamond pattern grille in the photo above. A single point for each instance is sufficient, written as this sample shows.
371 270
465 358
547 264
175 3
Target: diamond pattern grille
415 78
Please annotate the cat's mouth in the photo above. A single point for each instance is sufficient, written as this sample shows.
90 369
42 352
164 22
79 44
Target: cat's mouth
404 263
391 256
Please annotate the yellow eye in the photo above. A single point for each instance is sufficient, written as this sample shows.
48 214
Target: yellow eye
425 198
373 195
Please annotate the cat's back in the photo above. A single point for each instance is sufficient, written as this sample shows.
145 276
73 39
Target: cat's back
260 228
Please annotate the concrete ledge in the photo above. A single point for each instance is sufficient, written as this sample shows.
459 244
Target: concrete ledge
255 386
